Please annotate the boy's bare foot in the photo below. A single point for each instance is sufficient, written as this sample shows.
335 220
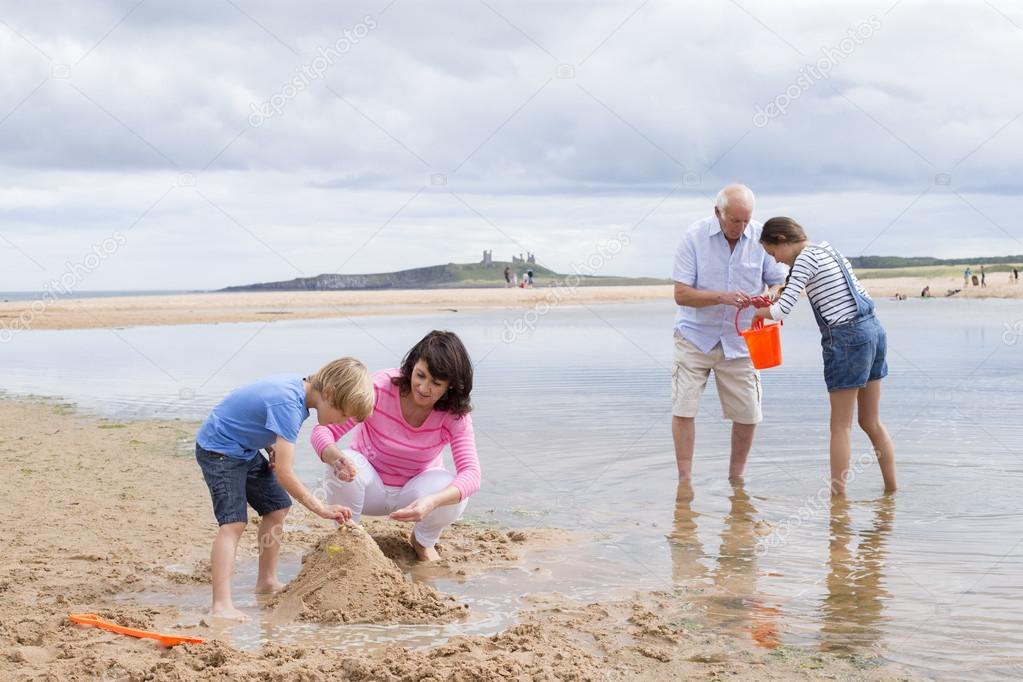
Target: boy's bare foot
272 587
228 613
424 553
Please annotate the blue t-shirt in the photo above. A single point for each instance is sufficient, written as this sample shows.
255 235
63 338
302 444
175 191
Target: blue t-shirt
253 416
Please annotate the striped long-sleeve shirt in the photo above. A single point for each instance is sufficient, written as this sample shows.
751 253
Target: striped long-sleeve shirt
817 272
397 450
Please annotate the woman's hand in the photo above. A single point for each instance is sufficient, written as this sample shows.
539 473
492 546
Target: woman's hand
416 511
763 312
344 469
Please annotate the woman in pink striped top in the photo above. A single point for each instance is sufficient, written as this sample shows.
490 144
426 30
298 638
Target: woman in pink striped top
395 465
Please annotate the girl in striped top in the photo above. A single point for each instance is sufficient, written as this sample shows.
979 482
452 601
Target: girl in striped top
395 465
854 342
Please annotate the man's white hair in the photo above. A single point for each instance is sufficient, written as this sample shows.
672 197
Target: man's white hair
722 200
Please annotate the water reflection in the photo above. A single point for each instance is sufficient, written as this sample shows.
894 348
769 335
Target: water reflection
733 601
852 612
684 545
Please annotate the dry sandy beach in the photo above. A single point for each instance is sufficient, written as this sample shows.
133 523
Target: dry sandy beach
998 286
208 308
99 511
296 305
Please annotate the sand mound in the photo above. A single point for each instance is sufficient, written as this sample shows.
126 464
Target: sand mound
347 579
465 546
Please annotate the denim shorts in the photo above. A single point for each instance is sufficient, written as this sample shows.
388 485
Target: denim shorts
234 482
854 354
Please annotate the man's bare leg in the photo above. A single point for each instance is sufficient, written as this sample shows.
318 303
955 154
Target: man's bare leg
742 442
683 432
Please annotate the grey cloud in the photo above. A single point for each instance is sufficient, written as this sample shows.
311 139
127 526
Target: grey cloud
441 78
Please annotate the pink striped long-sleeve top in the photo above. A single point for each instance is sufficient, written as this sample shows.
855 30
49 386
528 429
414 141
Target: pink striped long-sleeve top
399 451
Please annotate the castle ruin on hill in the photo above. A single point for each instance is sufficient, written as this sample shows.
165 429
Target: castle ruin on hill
488 259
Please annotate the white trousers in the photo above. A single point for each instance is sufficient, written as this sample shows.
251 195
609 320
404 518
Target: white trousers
367 494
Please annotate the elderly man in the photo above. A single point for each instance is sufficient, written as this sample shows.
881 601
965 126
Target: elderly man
719 266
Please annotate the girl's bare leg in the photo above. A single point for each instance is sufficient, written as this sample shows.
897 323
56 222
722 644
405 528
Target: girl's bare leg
870 422
843 406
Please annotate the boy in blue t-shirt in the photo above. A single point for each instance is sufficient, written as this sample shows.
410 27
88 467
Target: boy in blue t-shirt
267 415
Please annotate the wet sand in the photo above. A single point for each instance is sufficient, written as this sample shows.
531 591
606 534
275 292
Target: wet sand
99 512
211 308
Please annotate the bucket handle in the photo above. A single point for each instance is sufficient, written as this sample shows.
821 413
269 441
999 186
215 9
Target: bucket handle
758 322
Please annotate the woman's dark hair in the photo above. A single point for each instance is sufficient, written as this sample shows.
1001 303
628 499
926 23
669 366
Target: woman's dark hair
446 359
782 230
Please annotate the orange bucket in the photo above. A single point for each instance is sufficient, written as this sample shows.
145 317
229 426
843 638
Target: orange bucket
763 341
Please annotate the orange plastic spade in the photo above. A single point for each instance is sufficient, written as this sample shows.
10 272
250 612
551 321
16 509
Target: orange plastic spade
166 640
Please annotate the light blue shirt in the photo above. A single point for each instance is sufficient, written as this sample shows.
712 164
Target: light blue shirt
704 261
253 416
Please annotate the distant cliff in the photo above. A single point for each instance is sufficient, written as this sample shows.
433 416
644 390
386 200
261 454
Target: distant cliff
452 275
431 277
917 261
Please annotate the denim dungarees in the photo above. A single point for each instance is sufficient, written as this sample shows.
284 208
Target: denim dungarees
854 350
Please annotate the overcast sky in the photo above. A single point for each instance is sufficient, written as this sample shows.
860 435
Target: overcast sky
413 132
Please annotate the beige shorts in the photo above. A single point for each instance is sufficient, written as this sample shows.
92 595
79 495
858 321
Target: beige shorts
737 382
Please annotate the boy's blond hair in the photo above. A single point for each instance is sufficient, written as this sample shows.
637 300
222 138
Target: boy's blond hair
347 384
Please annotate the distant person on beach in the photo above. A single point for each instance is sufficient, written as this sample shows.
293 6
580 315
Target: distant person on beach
966 276
983 277
529 278
719 266
926 292
507 276
854 342
267 415
393 466
1015 274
